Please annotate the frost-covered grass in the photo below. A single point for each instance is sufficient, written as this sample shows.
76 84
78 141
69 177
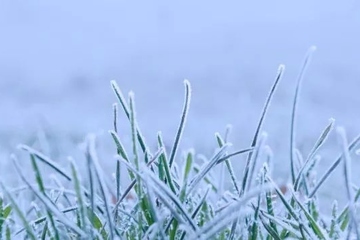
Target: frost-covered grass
179 196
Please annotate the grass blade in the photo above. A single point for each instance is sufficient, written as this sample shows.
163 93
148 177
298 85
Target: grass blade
279 76
102 185
316 147
351 147
49 205
294 111
126 109
204 171
182 122
28 228
46 160
347 174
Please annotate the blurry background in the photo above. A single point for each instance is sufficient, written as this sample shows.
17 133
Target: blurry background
57 58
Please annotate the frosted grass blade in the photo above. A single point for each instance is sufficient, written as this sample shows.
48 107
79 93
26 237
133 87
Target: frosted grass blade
204 171
49 205
229 167
126 109
21 215
324 135
46 160
230 214
164 194
351 147
347 175
182 122
294 110
279 76
132 184
102 185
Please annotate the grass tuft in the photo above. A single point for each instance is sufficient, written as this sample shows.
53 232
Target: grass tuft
167 195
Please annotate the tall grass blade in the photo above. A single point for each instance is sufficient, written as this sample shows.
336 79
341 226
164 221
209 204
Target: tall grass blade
294 111
101 181
182 122
279 76
126 109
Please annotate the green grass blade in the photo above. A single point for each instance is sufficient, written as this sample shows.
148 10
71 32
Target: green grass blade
42 190
25 222
49 205
126 109
101 182
320 234
166 165
79 194
165 194
132 184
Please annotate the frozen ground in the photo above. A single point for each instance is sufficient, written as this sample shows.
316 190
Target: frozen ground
57 58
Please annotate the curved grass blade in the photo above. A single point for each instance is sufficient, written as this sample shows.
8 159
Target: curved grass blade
182 122
294 111
246 150
279 76
46 160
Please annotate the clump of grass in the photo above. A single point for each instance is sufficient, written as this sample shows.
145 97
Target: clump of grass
171 197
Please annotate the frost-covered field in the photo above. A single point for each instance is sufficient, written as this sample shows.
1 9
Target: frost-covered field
56 61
